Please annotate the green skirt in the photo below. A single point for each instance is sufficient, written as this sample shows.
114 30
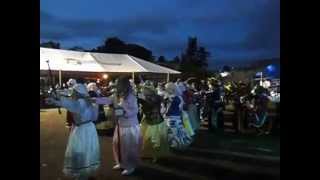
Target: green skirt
155 140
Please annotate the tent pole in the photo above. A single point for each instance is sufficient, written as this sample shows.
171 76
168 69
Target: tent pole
261 79
54 80
168 77
132 75
60 78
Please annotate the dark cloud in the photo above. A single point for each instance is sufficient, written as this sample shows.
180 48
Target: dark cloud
229 29
97 28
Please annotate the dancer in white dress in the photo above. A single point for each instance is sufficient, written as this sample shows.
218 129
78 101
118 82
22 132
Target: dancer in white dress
82 156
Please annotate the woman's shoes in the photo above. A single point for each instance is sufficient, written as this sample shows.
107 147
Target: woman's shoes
116 167
127 172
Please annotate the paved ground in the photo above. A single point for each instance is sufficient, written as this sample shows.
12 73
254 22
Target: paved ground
210 157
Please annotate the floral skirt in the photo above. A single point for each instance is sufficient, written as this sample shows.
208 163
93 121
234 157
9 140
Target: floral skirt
178 138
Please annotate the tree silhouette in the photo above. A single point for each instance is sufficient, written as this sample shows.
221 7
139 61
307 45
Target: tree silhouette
139 52
203 56
194 60
77 48
50 44
115 45
162 59
176 59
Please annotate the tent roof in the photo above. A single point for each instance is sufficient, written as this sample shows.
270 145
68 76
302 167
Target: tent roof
67 60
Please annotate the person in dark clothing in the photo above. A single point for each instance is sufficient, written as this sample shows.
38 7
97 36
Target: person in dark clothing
214 106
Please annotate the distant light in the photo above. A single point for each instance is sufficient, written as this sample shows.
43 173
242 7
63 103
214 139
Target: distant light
105 76
98 80
270 68
224 74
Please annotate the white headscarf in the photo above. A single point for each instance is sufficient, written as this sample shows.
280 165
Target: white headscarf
92 87
71 82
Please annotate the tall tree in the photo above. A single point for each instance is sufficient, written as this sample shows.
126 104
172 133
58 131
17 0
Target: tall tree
194 60
139 52
203 56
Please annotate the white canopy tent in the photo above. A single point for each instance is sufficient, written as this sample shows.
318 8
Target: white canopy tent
66 60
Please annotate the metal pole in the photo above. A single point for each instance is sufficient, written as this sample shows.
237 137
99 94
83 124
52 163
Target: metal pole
132 75
168 77
60 78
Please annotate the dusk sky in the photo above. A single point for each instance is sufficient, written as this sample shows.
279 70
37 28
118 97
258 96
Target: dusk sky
231 30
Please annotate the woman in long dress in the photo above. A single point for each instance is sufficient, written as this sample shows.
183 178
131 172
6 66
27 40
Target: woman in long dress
182 95
153 127
82 156
192 109
178 138
127 148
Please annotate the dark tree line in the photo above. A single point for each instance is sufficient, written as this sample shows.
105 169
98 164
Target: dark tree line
115 45
193 61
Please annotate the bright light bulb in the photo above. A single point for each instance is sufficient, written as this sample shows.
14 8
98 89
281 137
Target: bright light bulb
105 76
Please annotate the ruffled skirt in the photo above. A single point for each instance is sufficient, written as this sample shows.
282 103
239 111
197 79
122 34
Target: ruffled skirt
82 156
155 139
